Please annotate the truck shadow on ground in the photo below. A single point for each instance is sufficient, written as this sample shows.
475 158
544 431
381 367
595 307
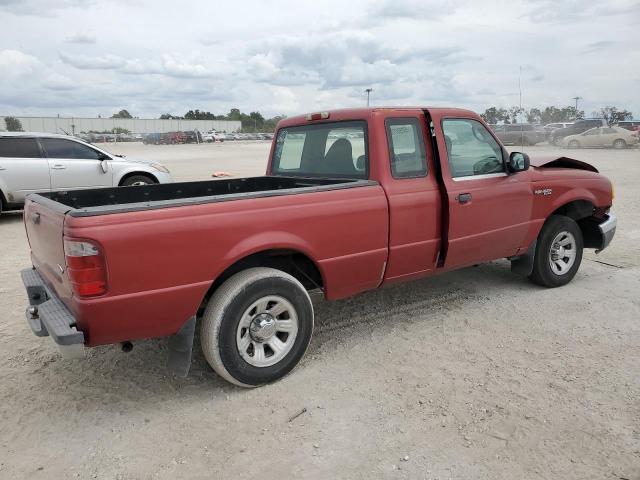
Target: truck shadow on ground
109 378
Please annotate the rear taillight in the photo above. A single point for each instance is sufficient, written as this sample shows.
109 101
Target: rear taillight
85 267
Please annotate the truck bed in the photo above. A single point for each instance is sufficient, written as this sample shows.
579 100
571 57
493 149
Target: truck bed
103 201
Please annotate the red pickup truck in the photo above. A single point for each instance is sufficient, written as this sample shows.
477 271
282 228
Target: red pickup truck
352 200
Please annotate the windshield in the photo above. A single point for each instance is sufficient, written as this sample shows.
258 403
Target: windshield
323 150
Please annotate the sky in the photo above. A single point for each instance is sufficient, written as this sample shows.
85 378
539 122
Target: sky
92 57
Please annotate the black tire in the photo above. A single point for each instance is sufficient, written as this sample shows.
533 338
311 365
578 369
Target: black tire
574 144
137 180
229 304
543 273
620 144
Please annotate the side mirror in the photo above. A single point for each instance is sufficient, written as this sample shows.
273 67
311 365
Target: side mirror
518 162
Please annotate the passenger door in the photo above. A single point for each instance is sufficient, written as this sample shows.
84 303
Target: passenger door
591 138
23 170
489 210
74 165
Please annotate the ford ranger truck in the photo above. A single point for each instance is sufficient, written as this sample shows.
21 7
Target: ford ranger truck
352 200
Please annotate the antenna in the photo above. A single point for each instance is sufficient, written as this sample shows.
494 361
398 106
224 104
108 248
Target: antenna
520 107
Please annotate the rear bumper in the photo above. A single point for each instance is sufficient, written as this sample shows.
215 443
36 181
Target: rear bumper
607 231
48 316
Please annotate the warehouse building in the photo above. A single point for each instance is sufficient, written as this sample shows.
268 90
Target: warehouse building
73 125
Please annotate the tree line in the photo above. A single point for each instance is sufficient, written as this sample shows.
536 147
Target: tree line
552 114
252 122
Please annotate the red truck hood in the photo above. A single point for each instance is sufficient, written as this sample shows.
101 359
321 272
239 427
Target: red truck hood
551 161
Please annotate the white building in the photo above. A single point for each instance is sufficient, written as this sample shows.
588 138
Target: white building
71 125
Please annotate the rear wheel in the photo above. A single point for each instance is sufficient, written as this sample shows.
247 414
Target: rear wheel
574 144
257 326
620 144
137 180
558 252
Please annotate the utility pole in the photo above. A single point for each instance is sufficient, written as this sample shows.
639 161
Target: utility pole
576 99
368 90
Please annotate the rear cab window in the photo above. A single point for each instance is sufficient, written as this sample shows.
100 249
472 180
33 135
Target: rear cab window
406 148
16 147
336 149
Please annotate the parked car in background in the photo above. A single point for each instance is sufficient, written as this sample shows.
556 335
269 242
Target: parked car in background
519 134
576 127
192 136
42 162
616 137
631 125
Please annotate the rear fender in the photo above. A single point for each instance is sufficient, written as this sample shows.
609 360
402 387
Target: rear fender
269 240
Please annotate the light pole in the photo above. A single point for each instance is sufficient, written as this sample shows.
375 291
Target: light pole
576 99
368 90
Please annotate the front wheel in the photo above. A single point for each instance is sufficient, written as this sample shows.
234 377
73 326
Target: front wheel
620 144
137 180
257 326
558 252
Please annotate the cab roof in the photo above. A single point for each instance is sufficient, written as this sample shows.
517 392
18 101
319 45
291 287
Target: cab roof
366 113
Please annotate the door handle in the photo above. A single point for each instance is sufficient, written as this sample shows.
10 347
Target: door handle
58 167
2 168
464 198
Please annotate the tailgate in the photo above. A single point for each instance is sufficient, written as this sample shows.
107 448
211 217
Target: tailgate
45 227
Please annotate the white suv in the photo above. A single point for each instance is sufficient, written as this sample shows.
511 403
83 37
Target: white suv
42 162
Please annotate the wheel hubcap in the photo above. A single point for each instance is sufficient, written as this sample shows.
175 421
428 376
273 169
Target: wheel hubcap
267 331
562 254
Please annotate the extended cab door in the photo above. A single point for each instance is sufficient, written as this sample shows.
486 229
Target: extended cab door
489 210
23 170
74 165
410 182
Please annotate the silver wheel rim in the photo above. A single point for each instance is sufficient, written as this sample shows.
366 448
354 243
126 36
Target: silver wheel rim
267 331
137 184
562 254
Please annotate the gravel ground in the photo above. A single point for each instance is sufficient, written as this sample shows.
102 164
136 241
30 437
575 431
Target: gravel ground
472 374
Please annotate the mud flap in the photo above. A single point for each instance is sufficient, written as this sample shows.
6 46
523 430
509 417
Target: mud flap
523 264
180 348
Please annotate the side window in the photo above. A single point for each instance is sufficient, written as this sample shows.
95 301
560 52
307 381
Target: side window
609 130
58 148
594 131
63 148
406 148
471 149
84 152
19 147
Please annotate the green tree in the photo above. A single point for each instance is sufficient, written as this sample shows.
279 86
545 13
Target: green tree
122 114
613 115
534 115
495 115
198 115
168 116
13 124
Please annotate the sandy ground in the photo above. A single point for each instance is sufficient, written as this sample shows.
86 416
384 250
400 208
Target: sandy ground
476 374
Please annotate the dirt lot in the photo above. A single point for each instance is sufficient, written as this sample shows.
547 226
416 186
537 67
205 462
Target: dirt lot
475 374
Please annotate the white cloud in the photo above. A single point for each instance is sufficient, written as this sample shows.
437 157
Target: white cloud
81 38
86 62
305 56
